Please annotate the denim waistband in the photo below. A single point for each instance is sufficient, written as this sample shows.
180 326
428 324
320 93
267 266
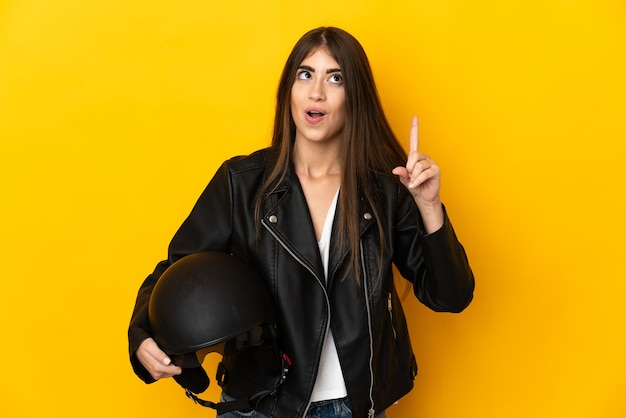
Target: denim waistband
328 401
330 408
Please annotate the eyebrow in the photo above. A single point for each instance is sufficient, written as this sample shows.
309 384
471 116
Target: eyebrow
311 69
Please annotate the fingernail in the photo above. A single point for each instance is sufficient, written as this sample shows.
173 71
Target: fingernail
167 361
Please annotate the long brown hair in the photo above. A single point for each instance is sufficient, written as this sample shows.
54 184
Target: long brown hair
368 146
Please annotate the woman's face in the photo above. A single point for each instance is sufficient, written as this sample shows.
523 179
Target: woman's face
318 99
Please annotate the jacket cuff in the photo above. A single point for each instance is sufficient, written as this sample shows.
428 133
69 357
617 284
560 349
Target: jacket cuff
135 341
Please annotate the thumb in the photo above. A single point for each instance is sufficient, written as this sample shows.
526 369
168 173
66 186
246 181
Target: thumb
402 173
156 352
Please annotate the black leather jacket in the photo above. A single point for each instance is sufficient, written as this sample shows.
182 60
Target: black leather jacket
367 320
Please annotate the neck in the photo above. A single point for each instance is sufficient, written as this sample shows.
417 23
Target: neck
316 161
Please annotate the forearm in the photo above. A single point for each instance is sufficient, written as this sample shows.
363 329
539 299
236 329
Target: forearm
432 215
451 284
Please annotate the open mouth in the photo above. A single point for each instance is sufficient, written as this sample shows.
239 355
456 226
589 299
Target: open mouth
314 114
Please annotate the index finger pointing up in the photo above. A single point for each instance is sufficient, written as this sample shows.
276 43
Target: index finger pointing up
413 142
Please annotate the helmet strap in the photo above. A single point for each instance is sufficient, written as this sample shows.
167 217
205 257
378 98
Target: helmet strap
243 404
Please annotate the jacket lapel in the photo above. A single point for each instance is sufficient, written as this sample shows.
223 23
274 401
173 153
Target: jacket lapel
336 258
288 218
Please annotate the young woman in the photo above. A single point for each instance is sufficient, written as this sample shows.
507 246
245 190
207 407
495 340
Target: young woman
322 215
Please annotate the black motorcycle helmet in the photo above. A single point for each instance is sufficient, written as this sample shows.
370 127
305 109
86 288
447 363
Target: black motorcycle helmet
213 302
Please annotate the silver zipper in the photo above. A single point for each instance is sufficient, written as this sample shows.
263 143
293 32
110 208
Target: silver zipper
371 411
390 309
295 256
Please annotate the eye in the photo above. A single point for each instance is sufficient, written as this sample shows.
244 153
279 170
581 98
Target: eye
336 78
303 75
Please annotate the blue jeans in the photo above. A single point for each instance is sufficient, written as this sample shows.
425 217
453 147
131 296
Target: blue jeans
334 408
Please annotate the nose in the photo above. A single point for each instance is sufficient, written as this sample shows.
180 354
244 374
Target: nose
317 92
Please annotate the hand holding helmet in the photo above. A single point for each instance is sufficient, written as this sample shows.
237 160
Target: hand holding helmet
156 361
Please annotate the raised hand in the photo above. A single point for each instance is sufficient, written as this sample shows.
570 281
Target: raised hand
421 177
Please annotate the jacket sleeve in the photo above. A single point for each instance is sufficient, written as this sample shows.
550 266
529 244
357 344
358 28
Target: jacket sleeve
435 263
206 228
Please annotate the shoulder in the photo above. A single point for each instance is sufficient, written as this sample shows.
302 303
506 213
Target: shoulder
247 172
257 161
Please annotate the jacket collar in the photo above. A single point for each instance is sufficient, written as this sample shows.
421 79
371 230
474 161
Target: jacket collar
287 215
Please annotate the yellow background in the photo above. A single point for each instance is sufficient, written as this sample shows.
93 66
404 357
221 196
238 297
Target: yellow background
114 115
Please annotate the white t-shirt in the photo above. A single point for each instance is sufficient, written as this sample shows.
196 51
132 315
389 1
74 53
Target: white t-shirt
330 383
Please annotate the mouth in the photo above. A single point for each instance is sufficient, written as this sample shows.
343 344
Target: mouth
315 114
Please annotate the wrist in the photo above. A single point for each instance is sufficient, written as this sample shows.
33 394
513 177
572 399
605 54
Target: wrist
432 215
